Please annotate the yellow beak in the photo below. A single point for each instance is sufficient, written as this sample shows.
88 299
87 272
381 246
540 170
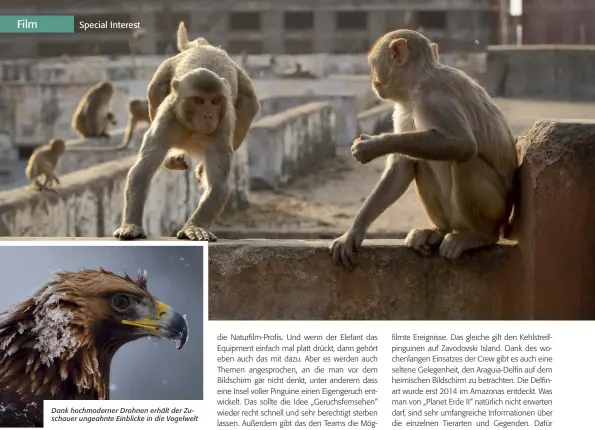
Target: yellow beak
161 310
167 323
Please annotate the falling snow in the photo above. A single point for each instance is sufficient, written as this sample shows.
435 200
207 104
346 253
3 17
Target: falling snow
113 387
54 337
182 258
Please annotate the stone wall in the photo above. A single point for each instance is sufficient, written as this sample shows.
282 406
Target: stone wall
35 113
84 153
284 146
90 202
31 114
376 120
344 106
541 71
546 274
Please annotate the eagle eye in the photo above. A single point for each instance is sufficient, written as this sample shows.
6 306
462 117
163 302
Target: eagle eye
121 302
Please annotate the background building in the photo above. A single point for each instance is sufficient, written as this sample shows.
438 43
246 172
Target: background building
255 27
558 21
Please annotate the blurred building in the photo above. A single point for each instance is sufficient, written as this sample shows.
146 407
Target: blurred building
558 22
256 26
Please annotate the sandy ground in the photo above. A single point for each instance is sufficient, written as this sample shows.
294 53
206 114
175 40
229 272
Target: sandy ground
330 197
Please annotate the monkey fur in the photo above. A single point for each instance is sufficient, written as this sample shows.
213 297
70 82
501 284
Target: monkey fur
450 137
92 116
246 101
43 162
138 111
199 116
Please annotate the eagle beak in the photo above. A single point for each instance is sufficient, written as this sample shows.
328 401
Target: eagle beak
168 324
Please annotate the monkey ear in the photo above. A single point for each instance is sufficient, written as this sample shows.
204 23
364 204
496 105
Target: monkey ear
399 51
175 83
435 52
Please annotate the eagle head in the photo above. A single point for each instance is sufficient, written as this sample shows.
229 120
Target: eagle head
59 343
123 310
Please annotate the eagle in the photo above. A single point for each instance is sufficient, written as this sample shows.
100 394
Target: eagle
59 344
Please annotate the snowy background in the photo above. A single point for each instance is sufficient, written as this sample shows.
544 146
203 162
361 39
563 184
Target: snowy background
146 369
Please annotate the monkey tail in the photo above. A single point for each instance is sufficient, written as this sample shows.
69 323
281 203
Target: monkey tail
182 41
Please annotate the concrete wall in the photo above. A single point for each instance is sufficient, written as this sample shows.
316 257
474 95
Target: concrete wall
35 113
284 146
546 274
83 153
89 202
344 106
31 114
376 120
541 71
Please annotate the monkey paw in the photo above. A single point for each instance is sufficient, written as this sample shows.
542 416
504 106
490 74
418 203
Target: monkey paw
423 239
177 162
455 244
194 232
343 248
364 148
130 232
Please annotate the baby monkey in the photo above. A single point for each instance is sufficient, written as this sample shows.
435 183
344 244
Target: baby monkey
450 137
43 162
138 111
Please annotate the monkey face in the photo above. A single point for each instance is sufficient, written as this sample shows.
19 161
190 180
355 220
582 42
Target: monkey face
393 68
203 111
381 80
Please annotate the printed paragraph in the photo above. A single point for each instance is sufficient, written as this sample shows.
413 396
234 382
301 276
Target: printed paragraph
472 380
98 415
298 380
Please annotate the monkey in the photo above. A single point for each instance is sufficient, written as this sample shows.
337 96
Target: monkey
43 162
246 102
138 111
450 137
92 115
197 116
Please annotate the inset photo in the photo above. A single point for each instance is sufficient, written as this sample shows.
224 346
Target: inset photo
84 320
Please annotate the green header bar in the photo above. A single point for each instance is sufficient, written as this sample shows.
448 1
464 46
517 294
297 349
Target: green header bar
36 23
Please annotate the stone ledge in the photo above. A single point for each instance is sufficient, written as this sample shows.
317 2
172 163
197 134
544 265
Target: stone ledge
371 121
294 279
90 202
276 120
344 106
287 145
